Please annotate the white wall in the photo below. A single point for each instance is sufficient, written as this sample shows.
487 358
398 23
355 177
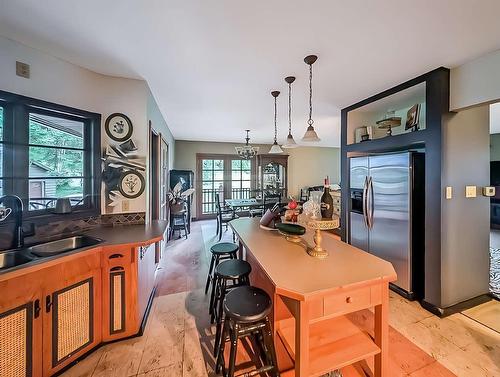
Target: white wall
307 166
58 81
465 221
476 82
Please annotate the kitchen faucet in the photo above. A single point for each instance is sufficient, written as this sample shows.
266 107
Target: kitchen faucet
17 212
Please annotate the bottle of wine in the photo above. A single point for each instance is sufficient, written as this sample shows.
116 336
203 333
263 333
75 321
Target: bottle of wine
327 201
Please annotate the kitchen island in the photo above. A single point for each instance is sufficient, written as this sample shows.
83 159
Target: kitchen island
312 296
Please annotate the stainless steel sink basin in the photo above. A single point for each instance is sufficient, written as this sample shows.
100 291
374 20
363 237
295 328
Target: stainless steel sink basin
62 246
13 258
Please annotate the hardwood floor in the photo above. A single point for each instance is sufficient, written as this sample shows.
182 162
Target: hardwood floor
178 339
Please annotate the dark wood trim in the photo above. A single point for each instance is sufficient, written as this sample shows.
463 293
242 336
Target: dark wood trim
430 140
17 112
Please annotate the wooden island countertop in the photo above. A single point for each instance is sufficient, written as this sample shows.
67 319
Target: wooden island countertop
311 297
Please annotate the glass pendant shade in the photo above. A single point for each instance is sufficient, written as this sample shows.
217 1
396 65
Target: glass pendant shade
290 142
311 135
275 149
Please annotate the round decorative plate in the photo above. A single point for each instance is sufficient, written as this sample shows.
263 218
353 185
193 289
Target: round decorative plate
118 127
131 184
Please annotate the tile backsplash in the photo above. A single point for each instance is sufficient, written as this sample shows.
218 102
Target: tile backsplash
54 229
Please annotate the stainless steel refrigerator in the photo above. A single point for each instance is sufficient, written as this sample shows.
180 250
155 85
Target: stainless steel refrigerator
387 211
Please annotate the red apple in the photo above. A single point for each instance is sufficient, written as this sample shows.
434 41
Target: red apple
292 204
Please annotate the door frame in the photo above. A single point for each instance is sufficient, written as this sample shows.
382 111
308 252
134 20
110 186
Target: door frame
154 145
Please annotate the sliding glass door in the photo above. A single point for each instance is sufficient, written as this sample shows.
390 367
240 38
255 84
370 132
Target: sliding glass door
224 175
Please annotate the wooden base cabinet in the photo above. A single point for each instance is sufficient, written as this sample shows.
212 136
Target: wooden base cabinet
72 320
118 293
21 337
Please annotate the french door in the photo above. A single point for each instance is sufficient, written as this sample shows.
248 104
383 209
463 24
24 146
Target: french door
225 175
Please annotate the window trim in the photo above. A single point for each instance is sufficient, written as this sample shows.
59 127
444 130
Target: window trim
16 112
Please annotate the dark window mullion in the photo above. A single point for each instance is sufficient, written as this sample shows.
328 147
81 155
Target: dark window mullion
20 154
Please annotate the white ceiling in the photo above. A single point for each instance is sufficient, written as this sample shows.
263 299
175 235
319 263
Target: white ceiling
212 64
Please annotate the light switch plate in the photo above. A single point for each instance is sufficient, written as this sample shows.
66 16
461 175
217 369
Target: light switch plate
470 191
489 191
449 192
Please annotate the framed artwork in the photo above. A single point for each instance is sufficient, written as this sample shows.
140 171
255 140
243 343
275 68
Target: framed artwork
131 184
118 127
413 117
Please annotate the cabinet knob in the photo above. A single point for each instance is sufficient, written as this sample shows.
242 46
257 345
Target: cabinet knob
348 299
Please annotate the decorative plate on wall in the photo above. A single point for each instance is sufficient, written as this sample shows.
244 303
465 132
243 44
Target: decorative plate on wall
131 184
118 127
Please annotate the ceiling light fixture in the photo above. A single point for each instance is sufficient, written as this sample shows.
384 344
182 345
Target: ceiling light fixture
275 149
310 135
290 142
247 152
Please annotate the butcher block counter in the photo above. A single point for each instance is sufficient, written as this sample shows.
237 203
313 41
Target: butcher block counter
56 309
312 297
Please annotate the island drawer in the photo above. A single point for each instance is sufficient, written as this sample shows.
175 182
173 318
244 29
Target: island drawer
348 301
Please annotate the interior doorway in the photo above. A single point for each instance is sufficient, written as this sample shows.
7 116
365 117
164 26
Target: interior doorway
154 173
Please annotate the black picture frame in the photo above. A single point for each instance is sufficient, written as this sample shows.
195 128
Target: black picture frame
110 134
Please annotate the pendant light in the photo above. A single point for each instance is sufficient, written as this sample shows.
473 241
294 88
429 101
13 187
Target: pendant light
247 152
275 149
310 135
290 143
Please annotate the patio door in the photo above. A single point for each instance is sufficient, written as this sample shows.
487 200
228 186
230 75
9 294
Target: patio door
226 175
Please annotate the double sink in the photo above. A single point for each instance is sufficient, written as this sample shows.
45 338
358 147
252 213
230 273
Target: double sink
13 258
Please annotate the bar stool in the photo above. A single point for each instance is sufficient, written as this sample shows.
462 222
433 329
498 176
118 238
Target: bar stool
234 271
220 251
247 314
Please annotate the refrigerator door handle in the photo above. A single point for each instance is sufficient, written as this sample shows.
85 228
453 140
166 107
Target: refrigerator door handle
370 203
365 204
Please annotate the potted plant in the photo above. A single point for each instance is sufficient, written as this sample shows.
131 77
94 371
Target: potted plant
177 197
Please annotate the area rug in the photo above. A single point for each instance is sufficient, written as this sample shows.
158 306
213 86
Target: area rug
495 272
488 314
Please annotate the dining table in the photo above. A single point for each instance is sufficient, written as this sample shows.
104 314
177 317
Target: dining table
313 298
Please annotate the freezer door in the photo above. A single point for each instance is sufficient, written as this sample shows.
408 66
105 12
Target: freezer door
389 213
359 231
359 171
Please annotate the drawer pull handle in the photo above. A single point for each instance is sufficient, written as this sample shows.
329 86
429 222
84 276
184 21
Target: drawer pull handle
113 256
37 308
348 299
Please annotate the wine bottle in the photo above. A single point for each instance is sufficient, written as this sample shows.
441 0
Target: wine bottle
326 201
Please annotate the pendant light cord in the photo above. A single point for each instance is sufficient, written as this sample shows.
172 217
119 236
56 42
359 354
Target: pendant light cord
275 126
289 108
310 121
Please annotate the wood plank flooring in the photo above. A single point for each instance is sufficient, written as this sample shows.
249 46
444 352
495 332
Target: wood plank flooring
178 339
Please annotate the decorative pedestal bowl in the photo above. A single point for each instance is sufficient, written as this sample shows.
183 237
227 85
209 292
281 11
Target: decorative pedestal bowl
318 225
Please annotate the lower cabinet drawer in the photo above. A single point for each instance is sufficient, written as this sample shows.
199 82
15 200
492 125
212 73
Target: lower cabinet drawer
348 301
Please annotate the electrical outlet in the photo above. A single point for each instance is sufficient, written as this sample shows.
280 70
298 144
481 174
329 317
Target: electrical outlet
23 70
125 205
489 191
449 192
470 191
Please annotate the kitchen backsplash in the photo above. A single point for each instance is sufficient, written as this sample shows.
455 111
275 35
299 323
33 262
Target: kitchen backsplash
60 228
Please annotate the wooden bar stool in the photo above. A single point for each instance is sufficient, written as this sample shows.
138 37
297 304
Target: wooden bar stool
220 251
233 271
247 314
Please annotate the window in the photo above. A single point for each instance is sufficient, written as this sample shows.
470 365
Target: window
225 175
47 152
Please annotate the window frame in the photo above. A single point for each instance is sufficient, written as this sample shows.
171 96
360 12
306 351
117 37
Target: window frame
16 135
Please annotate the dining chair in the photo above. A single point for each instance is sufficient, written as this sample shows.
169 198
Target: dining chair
224 215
